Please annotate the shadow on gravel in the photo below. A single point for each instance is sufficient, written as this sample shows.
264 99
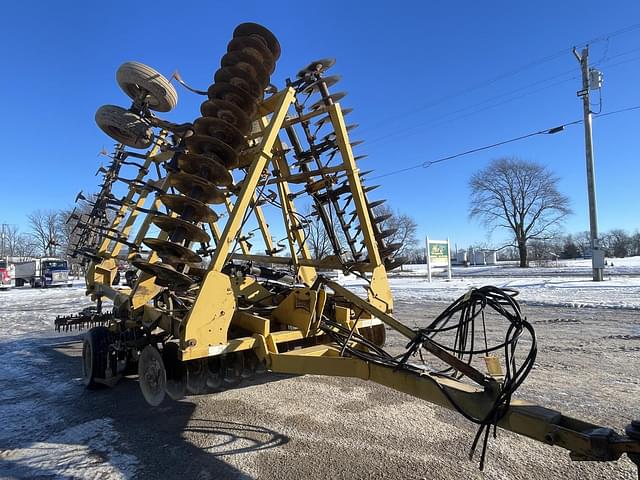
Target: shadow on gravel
156 437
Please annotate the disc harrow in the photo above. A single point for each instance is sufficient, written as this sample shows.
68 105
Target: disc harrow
203 311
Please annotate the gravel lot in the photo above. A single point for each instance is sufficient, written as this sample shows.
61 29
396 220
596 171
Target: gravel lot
310 427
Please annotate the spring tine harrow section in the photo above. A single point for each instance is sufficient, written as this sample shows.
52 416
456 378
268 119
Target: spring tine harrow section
88 318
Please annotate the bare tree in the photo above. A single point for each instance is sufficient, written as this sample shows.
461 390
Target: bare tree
403 227
618 243
404 230
66 232
317 238
520 196
44 230
10 236
635 243
583 240
18 244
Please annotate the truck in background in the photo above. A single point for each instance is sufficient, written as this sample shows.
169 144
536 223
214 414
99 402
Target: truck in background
42 272
6 274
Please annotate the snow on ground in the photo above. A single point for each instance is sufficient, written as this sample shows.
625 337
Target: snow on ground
27 310
35 440
84 451
560 291
615 266
566 285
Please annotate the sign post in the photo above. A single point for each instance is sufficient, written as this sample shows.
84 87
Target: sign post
439 255
428 260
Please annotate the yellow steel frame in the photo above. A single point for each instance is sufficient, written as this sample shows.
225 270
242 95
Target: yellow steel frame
204 331
102 273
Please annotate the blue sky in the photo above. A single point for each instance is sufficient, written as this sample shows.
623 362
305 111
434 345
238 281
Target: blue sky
426 80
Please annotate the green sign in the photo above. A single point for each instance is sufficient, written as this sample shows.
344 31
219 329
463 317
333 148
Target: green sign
439 251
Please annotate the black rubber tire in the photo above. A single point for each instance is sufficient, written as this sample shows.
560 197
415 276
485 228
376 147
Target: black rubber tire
176 371
152 376
95 356
135 78
196 376
215 378
130 278
124 126
232 366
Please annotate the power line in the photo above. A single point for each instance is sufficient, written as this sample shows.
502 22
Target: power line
622 110
606 37
415 129
547 131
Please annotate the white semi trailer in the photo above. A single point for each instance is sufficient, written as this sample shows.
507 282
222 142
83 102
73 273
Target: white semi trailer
42 272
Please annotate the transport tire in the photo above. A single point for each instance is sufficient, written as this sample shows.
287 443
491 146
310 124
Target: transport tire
232 366
136 79
130 278
176 370
124 126
95 355
152 375
196 376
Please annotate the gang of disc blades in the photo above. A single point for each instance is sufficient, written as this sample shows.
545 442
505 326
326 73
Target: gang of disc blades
200 212
223 131
196 187
227 111
171 252
329 81
254 47
171 224
204 144
317 66
255 30
165 275
246 61
205 166
335 97
241 79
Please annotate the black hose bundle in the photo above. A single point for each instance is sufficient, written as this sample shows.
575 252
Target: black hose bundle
460 320
460 317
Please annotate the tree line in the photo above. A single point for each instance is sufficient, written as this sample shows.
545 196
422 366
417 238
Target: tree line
523 198
48 234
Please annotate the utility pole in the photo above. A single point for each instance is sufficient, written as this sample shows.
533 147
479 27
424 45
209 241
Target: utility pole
597 255
2 240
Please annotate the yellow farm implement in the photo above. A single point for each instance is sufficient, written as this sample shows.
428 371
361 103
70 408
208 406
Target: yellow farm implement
214 297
